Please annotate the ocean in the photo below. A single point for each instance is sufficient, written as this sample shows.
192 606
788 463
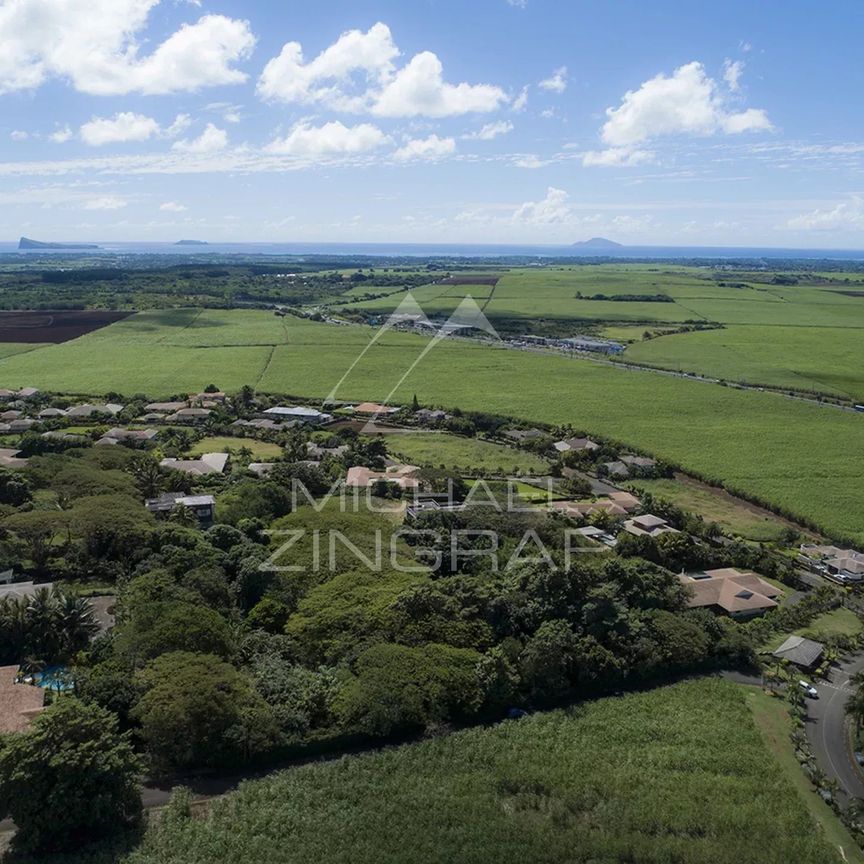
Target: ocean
443 250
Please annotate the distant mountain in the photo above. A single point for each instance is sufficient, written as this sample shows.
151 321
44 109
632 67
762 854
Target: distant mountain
598 243
27 243
191 243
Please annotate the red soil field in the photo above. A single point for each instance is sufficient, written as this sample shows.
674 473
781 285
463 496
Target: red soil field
54 325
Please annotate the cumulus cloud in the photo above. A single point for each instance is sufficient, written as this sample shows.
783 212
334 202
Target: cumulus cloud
173 207
428 149
490 131
357 73
96 45
553 208
847 215
211 140
556 82
688 102
304 139
108 202
125 126
19 135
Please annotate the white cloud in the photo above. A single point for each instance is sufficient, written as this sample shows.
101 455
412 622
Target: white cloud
181 123
518 4
61 136
556 82
553 208
211 140
616 157
125 126
108 202
173 207
19 135
307 140
847 215
531 162
686 103
732 72
430 148
357 73
490 131
95 45
521 101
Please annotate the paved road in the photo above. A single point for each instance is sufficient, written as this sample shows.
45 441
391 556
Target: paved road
826 725
826 729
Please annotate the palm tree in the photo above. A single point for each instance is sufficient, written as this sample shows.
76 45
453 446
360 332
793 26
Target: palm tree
148 476
78 625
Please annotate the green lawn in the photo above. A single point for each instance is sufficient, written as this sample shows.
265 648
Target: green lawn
220 444
715 506
679 774
837 622
463 454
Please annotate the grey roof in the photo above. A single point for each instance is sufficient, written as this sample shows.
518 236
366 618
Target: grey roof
169 500
800 651
21 589
88 408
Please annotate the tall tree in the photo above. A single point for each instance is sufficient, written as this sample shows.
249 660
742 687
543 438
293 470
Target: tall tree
72 778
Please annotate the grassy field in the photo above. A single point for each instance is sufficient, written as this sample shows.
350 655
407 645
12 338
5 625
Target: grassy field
772 720
837 622
825 359
715 506
678 774
464 454
220 444
803 457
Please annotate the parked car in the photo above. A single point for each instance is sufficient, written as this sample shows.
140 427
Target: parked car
809 689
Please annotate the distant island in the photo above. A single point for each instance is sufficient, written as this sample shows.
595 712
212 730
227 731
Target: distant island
191 243
27 243
598 243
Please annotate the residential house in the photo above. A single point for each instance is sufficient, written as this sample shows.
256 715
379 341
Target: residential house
19 703
22 424
50 413
189 415
151 417
804 653
592 532
207 463
19 590
616 469
260 469
88 410
648 525
166 407
203 506
6 395
522 435
737 593
403 476
427 415
214 398
299 414
7 416
577 445
9 458
639 461
135 435
27 392
318 451
838 565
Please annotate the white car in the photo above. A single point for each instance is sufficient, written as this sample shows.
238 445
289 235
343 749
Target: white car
809 689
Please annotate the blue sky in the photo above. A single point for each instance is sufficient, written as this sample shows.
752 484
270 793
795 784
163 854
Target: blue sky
732 123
